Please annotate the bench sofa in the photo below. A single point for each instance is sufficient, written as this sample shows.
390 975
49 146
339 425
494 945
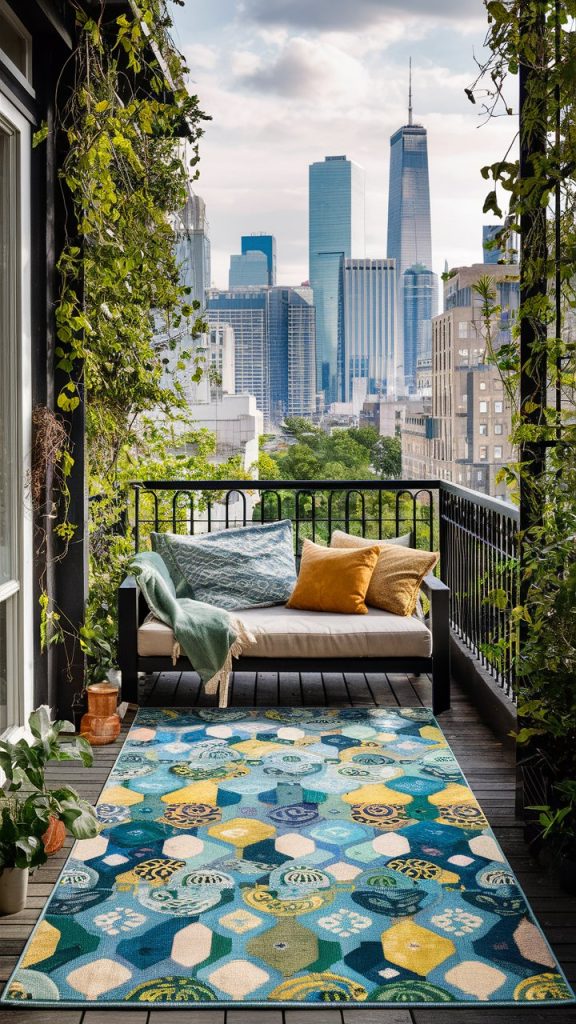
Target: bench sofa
287 639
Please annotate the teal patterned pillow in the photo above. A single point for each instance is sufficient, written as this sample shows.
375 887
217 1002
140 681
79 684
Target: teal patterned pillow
244 567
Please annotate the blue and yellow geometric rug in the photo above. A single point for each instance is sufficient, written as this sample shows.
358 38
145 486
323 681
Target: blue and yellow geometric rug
283 857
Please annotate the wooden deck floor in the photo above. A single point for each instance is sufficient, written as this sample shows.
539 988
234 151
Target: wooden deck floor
490 772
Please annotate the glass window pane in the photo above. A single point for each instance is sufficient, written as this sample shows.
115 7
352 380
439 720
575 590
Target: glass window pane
3 665
7 439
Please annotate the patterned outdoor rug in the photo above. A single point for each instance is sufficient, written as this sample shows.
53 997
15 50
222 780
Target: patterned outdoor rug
286 856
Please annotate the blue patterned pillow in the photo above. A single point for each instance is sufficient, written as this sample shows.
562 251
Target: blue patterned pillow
244 567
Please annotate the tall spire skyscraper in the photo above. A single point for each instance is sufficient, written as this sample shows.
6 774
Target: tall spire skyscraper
409 232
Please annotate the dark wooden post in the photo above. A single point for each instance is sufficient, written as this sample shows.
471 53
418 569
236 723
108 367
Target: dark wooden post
533 256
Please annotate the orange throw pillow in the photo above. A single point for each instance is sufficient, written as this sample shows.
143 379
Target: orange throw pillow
395 582
332 580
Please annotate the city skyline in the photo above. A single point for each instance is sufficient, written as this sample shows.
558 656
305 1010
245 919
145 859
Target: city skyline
286 86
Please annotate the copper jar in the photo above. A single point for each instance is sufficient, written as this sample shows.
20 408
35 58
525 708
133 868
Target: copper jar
101 723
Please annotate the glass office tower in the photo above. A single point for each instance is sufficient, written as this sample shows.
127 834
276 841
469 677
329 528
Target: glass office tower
248 270
336 232
369 326
267 245
192 246
409 231
420 292
274 346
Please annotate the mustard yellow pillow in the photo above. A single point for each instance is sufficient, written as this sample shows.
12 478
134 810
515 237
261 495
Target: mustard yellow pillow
399 571
333 581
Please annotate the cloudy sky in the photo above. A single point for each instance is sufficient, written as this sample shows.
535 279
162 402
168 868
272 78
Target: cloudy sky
288 82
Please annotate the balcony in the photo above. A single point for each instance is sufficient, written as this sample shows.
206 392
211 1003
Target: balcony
476 536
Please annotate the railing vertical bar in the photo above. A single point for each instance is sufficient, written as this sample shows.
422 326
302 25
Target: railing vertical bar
136 519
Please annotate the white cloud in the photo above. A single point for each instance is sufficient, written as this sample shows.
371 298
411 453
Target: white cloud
200 57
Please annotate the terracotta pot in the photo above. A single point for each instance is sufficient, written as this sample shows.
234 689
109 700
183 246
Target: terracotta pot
13 890
54 836
101 723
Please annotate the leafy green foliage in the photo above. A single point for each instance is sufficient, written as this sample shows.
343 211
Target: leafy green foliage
538 37
345 454
125 174
27 804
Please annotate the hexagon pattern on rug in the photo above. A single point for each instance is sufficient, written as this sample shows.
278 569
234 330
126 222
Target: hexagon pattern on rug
287 857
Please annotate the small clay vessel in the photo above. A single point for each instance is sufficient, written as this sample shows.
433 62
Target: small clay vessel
101 723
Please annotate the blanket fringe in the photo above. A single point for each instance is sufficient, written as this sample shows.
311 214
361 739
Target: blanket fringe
220 682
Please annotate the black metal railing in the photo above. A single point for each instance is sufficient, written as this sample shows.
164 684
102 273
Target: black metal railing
479 557
475 534
370 508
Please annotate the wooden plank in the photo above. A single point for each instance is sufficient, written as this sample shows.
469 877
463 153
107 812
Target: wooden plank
266 689
313 694
289 690
379 1017
312 1017
403 690
335 689
242 689
254 1017
358 689
381 691
184 1017
189 689
103 1016
17 1016
165 691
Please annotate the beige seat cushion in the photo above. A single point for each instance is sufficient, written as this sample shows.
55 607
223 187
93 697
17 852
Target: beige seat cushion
290 633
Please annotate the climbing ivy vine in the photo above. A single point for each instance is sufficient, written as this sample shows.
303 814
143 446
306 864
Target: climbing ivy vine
130 133
535 39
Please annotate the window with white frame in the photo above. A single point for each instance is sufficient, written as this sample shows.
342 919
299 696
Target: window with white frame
497 451
16 542
16 45
482 385
483 406
498 406
497 428
483 429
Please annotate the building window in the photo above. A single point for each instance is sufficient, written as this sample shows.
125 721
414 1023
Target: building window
483 429
16 541
483 406
482 385
483 451
498 407
497 451
15 44
497 428
463 329
479 475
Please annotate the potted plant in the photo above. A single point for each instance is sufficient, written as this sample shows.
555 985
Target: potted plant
33 818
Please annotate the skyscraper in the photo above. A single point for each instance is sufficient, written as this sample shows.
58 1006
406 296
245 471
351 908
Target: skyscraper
409 232
248 271
491 255
369 315
336 232
193 246
247 313
420 294
275 348
267 245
